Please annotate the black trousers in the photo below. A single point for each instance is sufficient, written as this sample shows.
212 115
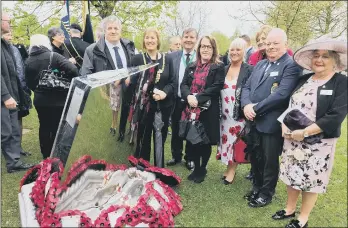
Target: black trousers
146 130
265 164
127 95
49 118
177 142
200 154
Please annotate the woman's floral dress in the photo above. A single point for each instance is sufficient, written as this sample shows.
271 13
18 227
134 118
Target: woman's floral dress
115 97
307 167
229 128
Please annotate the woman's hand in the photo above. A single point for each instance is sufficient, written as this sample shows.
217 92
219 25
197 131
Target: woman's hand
159 95
297 135
286 133
116 83
192 100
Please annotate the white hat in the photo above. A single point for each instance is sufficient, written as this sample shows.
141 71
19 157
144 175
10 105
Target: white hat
304 55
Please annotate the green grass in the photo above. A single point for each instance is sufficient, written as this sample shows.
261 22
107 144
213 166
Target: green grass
208 204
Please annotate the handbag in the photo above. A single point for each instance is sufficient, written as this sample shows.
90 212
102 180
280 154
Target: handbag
296 120
239 150
53 80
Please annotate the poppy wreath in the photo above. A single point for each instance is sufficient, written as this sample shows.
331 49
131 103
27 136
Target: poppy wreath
165 175
47 191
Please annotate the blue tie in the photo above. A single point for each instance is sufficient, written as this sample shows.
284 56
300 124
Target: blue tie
118 59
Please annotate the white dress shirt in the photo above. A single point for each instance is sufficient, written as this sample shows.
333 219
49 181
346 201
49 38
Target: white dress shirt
120 51
182 66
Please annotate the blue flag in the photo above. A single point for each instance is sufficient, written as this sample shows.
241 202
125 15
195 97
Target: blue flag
65 21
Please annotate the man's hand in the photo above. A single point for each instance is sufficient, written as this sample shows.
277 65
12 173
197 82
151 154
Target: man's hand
72 60
249 112
192 100
10 103
127 81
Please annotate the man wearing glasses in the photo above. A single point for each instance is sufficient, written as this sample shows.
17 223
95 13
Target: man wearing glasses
11 98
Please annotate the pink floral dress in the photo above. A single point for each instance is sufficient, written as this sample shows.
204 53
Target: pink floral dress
229 128
307 167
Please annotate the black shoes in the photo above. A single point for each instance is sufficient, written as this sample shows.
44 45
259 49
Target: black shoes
190 165
260 202
120 137
21 167
113 131
25 153
249 176
198 175
251 195
192 176
294 223
280 215
173 162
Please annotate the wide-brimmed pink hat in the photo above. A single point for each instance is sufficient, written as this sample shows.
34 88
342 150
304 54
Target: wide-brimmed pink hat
303 56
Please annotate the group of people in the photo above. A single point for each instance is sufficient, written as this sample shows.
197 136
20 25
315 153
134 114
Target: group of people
243 93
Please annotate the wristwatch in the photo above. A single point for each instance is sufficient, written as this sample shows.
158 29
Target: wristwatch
305 134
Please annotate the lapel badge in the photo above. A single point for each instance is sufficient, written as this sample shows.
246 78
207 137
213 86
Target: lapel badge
274 87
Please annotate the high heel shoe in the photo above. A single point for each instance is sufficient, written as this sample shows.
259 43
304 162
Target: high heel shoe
294 223
223 177
228 182
280 215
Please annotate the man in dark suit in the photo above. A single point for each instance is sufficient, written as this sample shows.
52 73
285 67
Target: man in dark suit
265 97
181 59
77 46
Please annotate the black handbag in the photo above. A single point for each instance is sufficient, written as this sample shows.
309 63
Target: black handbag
196 134
296 120
53 80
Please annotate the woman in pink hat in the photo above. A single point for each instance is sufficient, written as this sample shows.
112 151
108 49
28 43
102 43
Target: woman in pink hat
311 126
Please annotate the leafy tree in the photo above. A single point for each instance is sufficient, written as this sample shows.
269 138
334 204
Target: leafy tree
222 40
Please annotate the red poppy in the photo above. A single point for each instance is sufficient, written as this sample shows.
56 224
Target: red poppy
218 156
230 162
234 86
227 100
224 154
224 117
224 139
225 86
232 98
227 111
232 130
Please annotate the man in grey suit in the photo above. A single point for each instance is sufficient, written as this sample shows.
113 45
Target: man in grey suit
265 97
181 59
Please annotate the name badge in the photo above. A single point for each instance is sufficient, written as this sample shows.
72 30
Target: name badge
274 73
326 92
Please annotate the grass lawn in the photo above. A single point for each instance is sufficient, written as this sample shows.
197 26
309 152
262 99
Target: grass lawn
207 204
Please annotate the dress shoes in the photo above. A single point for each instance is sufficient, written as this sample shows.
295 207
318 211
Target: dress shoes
21 167
173 162
280 215
260 202
120 137
190 165
251 195
249 176
200 175
192 175
294 223
25 153
112 131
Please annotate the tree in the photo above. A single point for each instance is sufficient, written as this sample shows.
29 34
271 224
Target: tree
301 20
222 41
195 15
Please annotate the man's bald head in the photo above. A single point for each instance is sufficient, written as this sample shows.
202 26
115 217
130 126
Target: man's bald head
5 23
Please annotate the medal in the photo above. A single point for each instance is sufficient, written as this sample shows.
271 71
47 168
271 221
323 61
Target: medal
158 76
274 87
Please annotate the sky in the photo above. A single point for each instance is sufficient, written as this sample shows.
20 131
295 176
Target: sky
218 19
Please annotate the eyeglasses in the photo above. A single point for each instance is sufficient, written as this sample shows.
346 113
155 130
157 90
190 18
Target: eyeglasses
208 47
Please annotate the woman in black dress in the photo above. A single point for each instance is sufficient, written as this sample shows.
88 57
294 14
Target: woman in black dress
154 92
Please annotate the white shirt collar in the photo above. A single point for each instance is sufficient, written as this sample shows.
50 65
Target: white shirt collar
191 53
111 46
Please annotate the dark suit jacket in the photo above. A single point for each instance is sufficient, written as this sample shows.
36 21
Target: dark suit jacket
331 109
77 49
258 90
176 58
244 74
214 83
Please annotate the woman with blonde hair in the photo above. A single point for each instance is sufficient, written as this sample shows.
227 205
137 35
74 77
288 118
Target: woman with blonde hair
232 121
202 83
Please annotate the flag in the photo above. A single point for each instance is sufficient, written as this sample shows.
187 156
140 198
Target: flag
87 24
65 21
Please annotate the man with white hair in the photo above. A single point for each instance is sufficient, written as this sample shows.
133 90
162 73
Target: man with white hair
12 98
174 44
109 53
265 97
